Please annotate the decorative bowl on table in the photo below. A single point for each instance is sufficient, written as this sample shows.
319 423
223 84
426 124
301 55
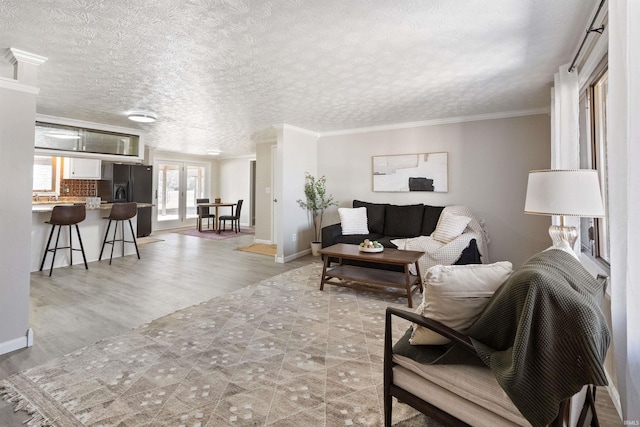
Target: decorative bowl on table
371 249
370 246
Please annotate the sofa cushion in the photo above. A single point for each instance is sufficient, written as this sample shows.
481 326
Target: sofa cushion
430 219
386 242
356 239
470 393
403 221
353 221
455 295
449 227
375 215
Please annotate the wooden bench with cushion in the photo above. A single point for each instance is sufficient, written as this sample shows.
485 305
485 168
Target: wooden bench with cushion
531 358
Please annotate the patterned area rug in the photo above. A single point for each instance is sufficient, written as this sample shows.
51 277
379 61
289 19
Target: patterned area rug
278 353
210 234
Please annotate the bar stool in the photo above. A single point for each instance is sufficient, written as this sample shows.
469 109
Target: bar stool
120 212
65 215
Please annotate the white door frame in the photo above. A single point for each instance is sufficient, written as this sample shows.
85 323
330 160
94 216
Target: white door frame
272 198
182 220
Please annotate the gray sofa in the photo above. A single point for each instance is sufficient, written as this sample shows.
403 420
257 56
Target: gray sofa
387 222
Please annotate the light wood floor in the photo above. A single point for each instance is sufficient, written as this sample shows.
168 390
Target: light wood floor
77 307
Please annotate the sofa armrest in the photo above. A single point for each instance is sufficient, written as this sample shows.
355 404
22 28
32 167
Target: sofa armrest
329 234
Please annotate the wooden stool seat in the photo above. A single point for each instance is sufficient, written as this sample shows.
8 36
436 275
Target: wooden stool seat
120 212
65 216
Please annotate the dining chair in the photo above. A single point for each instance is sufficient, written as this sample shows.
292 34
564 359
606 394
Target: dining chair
204 213
235 219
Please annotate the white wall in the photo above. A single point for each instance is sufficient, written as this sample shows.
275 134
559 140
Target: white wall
17 133
297 152
234 184
489 162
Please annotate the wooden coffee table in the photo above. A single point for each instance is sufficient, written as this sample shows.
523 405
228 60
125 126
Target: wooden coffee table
394 283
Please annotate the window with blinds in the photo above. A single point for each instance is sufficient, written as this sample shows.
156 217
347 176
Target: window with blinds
44 173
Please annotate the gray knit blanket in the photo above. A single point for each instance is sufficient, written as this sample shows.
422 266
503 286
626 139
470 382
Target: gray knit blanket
543 334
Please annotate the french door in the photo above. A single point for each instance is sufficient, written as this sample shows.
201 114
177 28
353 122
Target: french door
179 185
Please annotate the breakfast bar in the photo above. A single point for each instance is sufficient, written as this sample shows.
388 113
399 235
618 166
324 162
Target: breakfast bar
92 230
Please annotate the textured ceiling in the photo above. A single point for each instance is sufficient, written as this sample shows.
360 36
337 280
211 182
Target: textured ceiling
219 72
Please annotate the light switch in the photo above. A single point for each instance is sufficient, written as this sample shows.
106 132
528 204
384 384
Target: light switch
267 190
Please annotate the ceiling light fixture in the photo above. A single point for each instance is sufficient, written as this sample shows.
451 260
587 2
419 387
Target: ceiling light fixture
213 152
142 117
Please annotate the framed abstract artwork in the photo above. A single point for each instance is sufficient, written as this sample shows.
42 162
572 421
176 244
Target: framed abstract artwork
411 172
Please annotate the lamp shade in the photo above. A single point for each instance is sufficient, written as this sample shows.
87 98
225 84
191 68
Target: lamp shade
564 192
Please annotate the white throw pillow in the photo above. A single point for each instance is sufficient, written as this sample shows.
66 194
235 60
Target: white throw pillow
449 227
353 220
454 295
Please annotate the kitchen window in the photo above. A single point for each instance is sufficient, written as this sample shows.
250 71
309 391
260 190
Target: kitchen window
44 173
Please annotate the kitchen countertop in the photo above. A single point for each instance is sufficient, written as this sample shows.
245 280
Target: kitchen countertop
48 207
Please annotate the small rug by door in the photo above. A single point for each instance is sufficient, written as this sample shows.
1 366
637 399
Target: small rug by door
259 248
212 235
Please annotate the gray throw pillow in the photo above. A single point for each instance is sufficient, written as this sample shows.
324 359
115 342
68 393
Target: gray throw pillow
430 219
375 215
403 221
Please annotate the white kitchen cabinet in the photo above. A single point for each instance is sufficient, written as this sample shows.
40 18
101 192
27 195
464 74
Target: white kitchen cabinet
77 168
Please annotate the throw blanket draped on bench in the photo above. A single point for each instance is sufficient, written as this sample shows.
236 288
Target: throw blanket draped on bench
543 334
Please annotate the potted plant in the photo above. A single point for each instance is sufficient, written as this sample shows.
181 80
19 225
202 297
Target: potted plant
317 201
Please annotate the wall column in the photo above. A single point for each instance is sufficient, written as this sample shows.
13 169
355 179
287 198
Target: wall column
17 130
623 138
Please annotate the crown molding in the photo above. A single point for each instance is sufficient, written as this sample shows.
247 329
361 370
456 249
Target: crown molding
437 122
15 56
286 126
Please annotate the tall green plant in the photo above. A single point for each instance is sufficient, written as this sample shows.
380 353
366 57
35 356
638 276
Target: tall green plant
317 200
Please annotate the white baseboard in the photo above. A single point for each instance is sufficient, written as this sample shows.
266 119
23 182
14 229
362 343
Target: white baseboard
265 242
17 343
294 256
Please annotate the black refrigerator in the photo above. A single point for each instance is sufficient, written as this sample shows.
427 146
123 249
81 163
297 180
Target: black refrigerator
131 183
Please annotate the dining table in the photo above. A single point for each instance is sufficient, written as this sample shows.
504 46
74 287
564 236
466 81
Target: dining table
214 205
